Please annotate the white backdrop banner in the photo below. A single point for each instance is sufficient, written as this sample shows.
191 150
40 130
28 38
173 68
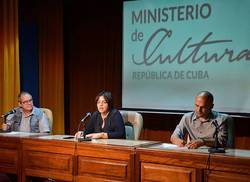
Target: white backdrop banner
173 49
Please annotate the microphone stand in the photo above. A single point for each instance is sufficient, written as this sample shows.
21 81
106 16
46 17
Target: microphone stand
4 119
4 122
83 132
216 149
81 139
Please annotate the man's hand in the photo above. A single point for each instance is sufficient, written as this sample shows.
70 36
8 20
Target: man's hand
4 127
194 144
179 142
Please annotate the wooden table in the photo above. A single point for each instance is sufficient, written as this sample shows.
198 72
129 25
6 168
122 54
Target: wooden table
166 162
10 152
9 155
69 160
47 158
116 160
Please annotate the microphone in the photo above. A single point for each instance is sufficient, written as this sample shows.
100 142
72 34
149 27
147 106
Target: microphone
217 126
85 117
215 123
216 149
83 120
78 128
88 114
8 113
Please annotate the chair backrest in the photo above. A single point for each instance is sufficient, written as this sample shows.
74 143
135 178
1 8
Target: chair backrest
49 114
133 124
230 133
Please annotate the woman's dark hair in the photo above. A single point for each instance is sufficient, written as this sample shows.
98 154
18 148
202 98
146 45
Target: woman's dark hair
108 98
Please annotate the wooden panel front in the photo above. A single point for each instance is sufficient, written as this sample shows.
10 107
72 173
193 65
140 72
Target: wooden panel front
104 167
10 155
87 178
48 159
96 162
189 165
8 160
170 165
175 158
217 176
230 163
158 172
231 166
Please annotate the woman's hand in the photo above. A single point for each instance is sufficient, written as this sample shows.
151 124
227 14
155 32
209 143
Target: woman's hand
79 134
97 135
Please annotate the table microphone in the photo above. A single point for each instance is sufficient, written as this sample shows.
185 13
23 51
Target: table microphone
83 120
4 116
78 128
88 114
8 113
216 149
85 117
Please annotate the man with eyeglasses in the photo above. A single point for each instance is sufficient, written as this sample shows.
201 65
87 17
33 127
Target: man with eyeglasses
27 117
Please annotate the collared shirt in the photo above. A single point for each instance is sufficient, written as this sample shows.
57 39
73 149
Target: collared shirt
204 130
25 123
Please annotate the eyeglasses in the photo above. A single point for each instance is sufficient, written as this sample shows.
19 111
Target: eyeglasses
27 101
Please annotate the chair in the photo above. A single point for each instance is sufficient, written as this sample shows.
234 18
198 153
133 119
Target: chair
49 114
133 124
230 133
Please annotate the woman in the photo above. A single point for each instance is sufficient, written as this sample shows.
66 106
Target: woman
107 122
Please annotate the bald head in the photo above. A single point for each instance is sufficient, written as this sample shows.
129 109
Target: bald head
207 95
203 104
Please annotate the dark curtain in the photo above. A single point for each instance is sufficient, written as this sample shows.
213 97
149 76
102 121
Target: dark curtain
29 63
42 48
93 44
